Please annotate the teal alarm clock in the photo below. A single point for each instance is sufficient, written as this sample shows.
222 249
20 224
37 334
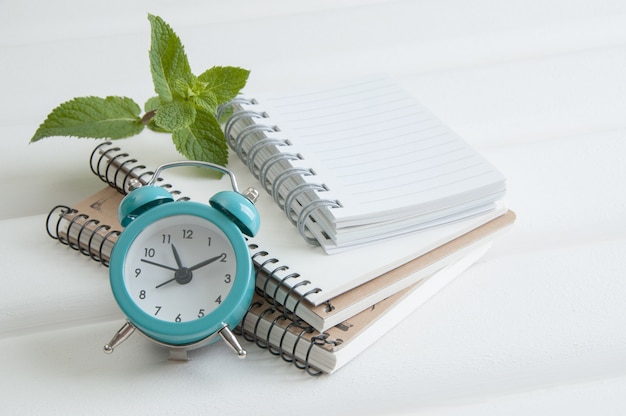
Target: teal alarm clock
180 270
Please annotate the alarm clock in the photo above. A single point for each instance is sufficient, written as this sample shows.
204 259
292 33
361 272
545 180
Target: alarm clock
180 270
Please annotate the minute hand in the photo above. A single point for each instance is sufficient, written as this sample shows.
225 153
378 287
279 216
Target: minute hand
160 265
206 262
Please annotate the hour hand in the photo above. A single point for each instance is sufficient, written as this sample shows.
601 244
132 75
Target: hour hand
176 257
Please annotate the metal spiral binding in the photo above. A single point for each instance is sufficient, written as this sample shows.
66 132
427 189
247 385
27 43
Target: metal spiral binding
302 365
290 358
306 213
244 110
321 339
111 235
239 330
61 210
71 228
116 168
284 176
223 108
263 344
290 293
85 226
267 165
302 298
247 132
292 196
301 331
272 276
275 350
257 148
87 235
237 116
288 282
261 264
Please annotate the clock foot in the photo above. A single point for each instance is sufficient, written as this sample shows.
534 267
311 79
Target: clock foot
119 337
178 354
230 339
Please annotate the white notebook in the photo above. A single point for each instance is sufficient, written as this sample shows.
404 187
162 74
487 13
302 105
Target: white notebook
360 162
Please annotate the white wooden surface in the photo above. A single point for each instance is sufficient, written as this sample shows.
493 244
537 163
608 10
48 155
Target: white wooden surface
539 87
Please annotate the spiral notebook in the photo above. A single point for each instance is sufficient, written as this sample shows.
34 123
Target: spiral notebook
290 272
279 318
359 162
316 352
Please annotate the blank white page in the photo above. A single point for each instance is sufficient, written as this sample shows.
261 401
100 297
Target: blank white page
379 150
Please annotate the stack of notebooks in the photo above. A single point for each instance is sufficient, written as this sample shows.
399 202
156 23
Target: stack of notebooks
369 206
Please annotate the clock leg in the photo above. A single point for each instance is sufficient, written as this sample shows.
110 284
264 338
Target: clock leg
119 337
230 339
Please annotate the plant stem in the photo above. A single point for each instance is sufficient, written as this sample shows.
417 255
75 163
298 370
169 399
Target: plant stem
147 117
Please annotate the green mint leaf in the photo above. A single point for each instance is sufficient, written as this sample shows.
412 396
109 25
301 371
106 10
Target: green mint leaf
93 117
225 81
153 126
183 87
152 104
203 140
195 92
226 114
175 115
150 108
168 61
206 101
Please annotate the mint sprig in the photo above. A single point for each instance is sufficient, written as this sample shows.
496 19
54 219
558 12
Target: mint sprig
185 104
110 117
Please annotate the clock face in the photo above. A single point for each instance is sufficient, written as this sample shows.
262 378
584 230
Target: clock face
179 268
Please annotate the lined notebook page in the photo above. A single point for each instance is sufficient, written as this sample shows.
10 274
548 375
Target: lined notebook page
379 149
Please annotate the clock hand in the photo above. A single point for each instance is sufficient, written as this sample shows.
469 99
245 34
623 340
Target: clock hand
184 275
206 262
160 265
164 283
176 256
167 267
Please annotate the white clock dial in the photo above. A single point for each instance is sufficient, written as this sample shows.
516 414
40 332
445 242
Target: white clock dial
180 268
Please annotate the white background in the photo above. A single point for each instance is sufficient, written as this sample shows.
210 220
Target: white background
538 87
